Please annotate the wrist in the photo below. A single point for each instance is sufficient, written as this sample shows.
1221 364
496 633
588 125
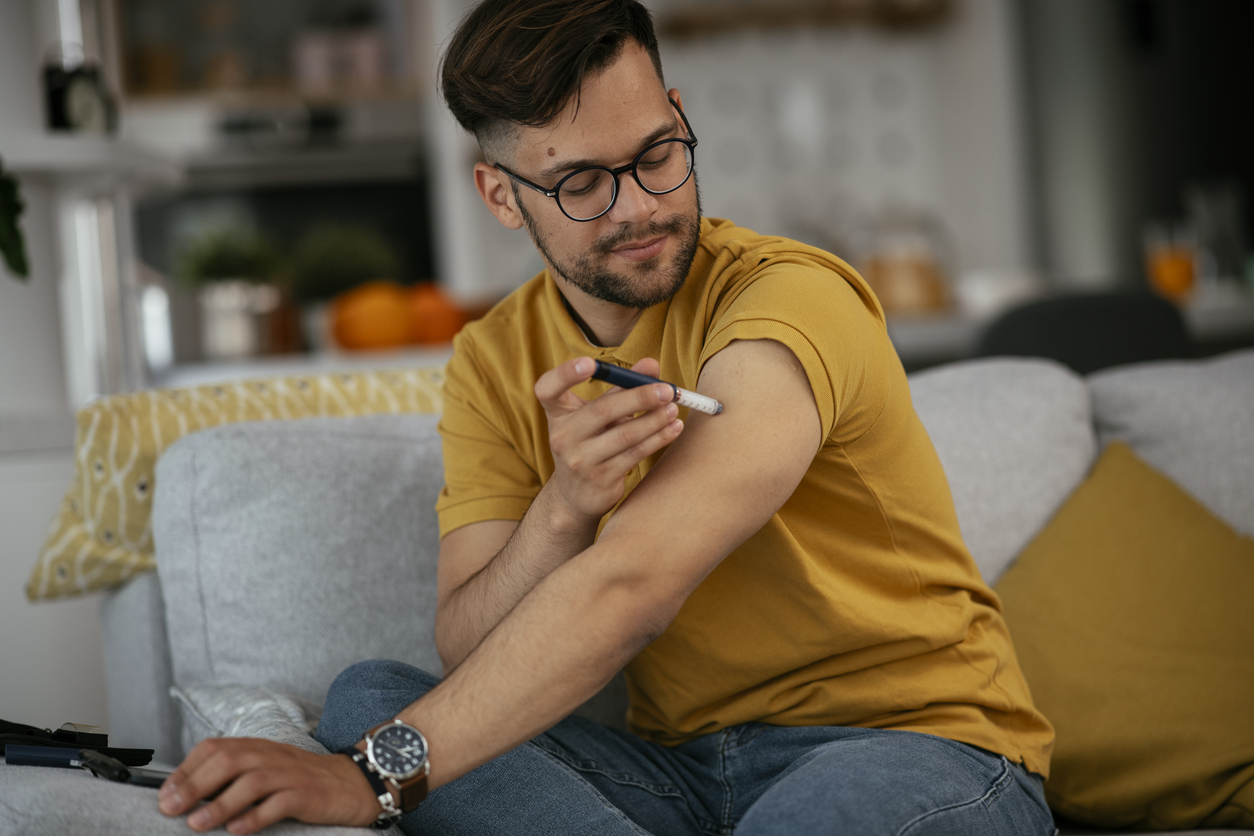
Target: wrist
565 519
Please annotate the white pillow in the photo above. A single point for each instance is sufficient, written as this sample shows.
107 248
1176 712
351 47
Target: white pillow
1192 420
1015 438
245 711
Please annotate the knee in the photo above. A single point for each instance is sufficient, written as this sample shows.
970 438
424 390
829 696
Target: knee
366 694
380 675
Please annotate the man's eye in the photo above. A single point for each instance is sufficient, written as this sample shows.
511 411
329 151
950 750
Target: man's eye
658 157
582 184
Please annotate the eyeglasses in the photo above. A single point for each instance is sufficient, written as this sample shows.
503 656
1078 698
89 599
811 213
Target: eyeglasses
588 193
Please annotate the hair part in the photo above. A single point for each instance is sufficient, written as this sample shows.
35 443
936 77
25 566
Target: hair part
521 62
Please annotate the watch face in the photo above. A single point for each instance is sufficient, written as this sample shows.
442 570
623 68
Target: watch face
400 751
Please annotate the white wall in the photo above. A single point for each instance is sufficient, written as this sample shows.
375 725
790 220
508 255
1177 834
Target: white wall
51 668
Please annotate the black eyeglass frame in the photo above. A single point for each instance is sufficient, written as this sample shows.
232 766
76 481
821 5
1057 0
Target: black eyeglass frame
615 173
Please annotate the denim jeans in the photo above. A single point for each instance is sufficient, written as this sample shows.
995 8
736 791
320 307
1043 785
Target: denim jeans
752 780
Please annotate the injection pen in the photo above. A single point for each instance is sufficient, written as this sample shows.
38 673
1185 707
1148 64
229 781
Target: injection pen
628 379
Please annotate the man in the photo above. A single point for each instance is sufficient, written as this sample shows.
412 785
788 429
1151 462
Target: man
809 647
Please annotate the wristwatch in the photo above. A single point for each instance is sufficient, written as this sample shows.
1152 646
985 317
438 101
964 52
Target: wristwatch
393 757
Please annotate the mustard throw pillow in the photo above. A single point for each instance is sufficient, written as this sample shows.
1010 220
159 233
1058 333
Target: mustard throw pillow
1132 617
102 534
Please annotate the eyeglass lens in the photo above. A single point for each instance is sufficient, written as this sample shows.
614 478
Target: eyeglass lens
661 168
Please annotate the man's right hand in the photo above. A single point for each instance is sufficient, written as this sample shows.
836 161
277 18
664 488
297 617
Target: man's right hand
596 443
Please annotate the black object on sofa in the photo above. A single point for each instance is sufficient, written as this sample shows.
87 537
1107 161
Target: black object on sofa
1090 331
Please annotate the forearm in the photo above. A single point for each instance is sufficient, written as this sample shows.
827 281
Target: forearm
548 536
556 649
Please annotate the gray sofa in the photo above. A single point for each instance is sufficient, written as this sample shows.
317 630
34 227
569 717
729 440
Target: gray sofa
277 541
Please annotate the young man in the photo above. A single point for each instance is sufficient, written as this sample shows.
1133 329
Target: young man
809 647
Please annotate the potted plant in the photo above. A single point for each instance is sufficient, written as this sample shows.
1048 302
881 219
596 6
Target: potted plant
330 260
235 271
12 245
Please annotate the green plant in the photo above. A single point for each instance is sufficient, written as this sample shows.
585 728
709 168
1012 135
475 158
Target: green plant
12 245
333 258
225 253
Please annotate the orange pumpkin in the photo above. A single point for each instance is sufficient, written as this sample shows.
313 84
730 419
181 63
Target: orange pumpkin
436 318
374 315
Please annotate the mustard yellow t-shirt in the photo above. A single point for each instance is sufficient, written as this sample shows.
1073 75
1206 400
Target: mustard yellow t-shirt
857 604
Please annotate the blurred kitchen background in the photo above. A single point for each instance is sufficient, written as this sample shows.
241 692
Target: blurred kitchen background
240 188
196 190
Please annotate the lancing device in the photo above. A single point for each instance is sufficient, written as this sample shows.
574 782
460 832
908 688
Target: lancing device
628 379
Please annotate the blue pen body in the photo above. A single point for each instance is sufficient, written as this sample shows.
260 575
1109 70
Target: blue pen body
627 379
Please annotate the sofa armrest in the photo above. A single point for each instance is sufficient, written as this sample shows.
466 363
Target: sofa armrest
138 675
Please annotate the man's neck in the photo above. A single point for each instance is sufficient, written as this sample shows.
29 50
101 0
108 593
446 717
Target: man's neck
603 323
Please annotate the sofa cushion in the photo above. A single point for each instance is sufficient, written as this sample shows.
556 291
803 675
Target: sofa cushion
1015 438
102 534
1131 619
289 550
1191 420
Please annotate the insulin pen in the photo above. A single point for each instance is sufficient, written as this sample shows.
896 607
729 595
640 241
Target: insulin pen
627 379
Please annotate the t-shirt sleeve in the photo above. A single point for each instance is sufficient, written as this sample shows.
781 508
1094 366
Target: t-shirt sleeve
485 477
834 331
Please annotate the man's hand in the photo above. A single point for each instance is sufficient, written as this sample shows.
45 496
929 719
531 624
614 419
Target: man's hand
260 782
595 443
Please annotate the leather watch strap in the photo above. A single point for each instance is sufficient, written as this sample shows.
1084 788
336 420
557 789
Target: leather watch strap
411 793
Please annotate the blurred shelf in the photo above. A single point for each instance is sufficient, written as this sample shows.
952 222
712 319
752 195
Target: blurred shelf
1221 311
1219 318
308 164
923 341
85 157
289 365
278 94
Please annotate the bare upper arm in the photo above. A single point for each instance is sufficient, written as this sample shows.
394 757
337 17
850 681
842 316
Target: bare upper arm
726 475
465 551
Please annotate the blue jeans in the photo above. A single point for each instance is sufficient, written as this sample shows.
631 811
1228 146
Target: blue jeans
752 780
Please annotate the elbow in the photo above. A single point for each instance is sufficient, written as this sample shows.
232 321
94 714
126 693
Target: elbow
637 609
451 654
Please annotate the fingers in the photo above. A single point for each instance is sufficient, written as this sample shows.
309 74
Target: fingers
553 387
648 445
245 791
627 434
201 774
648 366
595 442
261 782
275 808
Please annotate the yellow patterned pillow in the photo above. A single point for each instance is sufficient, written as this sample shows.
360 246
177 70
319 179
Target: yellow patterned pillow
103 533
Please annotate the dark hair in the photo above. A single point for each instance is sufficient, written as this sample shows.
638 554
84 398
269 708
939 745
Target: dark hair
519 62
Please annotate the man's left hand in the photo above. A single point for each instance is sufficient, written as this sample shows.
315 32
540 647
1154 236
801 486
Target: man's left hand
260 782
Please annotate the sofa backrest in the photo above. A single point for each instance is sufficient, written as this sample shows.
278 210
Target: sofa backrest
290 550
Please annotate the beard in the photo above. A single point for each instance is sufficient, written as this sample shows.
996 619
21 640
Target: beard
589 273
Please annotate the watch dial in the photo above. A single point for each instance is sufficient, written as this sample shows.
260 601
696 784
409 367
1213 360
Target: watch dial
399 751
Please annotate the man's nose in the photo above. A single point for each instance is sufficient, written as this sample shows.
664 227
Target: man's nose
633 203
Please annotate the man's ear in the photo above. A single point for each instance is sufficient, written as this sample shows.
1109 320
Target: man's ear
494 187
675 97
